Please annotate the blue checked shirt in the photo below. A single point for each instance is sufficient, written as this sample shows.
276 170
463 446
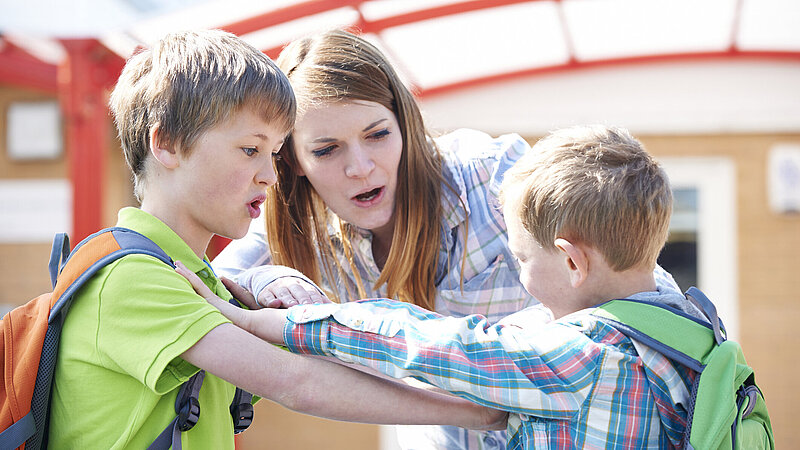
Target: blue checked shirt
572 383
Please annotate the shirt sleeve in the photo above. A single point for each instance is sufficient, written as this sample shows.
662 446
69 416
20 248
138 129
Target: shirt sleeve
257 278
242 254
154 319
546 370
248 262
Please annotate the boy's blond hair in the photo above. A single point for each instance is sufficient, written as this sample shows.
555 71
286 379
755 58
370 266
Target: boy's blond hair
595 185
188 83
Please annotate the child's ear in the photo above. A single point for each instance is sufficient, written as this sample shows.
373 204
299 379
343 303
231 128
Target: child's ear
576 261
164 154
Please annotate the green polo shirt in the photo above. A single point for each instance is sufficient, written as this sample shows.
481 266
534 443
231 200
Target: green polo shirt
119 369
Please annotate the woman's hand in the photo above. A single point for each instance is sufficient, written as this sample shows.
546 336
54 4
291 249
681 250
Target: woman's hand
289 291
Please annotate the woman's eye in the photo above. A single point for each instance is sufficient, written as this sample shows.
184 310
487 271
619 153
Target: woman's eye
379 134
323 151
249 151
277 156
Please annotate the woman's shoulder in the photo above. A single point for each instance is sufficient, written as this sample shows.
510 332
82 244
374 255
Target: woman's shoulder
478 161
467 145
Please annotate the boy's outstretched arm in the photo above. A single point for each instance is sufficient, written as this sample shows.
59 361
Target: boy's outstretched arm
541 368
322 388
325 389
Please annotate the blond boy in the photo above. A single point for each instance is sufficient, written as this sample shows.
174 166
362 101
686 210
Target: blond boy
200 116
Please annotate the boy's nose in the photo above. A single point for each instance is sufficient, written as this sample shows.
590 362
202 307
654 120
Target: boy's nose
267 174
360 163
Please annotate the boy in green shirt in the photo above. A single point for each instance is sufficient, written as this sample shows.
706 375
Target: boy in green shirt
201 115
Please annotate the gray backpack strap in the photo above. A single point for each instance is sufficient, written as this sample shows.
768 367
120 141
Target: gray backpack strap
58 255
16 435
187 407
242 404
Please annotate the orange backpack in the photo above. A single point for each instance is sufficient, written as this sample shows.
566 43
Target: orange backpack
31 333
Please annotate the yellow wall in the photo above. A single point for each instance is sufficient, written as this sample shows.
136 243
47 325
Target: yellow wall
23 267
276 427
769 266
768 257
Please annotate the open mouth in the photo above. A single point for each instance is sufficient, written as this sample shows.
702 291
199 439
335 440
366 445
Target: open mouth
254 208
369 195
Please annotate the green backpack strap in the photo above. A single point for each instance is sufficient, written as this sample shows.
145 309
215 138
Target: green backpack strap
725 393
669 331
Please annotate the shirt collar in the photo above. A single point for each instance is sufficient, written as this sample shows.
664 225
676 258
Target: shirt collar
163 236
454 211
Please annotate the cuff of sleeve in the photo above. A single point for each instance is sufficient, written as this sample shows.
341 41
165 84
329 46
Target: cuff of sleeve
307 327
170 370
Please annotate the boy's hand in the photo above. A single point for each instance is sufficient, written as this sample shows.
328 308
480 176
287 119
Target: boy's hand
236 315
199 287
266 323
240 293
289 291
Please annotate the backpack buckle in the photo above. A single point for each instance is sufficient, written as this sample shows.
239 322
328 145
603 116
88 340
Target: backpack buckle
189 414
750 392
242 416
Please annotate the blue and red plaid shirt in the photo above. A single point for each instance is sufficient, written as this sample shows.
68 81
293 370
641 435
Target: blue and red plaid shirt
575 382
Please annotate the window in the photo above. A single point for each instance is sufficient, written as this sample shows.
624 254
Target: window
702 249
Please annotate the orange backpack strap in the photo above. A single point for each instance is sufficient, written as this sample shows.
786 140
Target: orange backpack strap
31 332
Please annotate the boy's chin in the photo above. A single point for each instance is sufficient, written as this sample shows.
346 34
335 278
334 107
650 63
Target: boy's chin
233 234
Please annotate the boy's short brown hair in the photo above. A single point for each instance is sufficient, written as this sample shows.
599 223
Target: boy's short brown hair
189 82
596 185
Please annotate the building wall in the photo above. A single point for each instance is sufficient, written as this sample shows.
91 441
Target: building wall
277 427
23 267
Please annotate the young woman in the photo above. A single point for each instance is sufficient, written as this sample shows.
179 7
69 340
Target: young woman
369 204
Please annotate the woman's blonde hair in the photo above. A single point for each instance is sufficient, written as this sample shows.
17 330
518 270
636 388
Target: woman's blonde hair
339 66
596 185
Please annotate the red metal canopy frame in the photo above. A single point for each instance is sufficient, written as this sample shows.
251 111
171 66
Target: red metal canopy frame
83 81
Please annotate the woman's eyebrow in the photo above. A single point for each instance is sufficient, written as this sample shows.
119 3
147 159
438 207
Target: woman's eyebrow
373 124
323 140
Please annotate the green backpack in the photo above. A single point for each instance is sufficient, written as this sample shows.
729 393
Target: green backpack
727 409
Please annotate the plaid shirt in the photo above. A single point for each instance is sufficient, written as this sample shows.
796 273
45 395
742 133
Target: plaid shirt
474 165
572 383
